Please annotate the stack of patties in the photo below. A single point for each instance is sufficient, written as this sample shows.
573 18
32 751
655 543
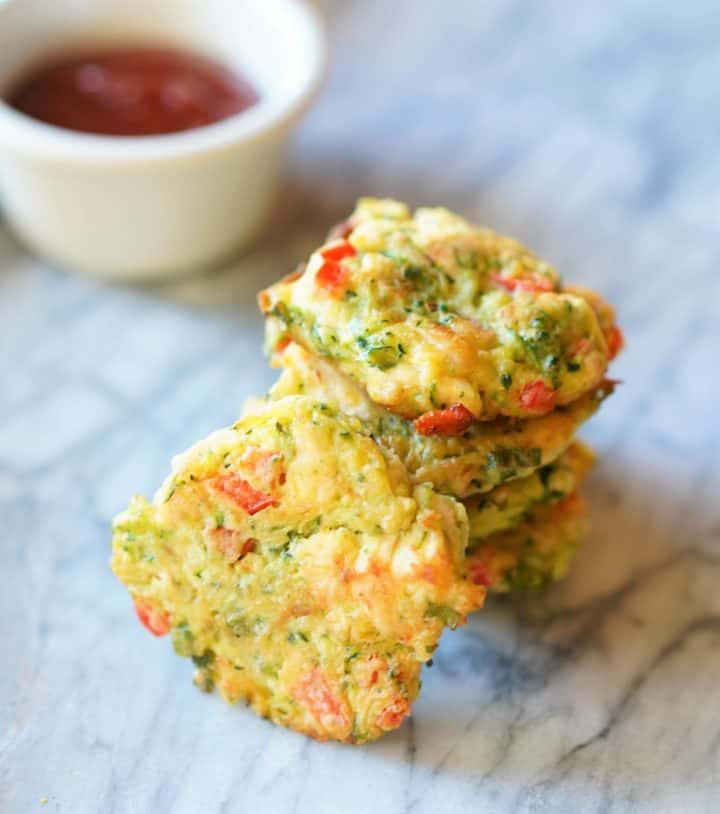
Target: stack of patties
463 354
416 451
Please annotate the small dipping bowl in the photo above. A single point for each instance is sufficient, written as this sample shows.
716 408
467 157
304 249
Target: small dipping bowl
143 207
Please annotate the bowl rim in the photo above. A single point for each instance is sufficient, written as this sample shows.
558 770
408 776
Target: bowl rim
25 135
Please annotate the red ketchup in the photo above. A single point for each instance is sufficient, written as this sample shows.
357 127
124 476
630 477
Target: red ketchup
132 92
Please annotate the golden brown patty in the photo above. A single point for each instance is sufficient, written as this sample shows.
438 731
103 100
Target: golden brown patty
444 322
533 554
296 564
485 456
508 505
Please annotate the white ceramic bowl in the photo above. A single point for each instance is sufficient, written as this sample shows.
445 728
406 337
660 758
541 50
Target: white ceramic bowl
131 208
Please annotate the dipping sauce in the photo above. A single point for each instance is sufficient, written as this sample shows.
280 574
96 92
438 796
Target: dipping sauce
132 92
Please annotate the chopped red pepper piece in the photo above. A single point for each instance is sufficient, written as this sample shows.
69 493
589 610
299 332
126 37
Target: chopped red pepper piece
572 504
454 420
338 251
155 620
537 396
535 283
246 496
332 277
615 341
479 573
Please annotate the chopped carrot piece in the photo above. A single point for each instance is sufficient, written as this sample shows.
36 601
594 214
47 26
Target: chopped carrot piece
368 673
537 396
232 544
264 302
155 620
453 420
282 343
314 692
535 283
391 717
338 251
241 492
266 465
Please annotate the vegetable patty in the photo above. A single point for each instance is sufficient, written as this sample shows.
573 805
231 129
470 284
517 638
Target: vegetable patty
444 323
295 563
510 504
533 554
485 456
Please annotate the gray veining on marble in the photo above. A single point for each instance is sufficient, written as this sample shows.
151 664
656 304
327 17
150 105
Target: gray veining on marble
590 131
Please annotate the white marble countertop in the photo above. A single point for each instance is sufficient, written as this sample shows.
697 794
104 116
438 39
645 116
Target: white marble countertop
590 131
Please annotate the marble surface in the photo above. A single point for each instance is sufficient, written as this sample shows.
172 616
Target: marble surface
590 131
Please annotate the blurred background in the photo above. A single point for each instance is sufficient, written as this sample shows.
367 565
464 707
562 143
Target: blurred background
590 133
